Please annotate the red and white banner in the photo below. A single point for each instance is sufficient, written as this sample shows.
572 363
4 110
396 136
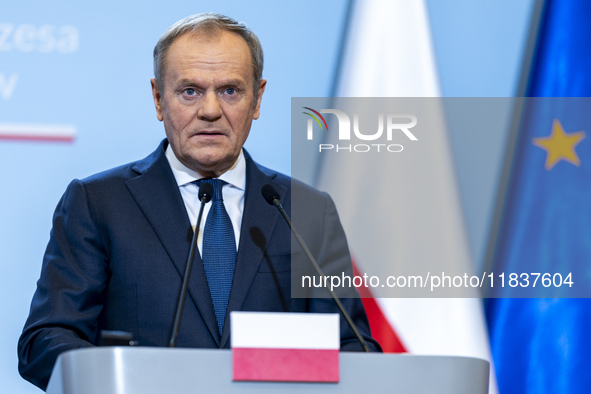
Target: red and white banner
414 210
288 347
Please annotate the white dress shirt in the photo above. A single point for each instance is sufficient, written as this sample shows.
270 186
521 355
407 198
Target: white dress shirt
232 192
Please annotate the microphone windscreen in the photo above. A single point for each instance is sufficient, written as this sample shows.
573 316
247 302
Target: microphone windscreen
269 193
205 192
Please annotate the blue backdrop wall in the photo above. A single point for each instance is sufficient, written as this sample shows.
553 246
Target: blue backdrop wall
86 66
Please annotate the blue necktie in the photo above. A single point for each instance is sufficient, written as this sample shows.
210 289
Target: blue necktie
219 251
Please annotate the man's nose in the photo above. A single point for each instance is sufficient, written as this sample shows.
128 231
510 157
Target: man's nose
210 109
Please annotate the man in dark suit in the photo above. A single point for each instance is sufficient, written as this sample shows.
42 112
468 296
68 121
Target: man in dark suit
120 239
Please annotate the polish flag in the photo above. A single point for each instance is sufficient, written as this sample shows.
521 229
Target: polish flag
414 202
285 347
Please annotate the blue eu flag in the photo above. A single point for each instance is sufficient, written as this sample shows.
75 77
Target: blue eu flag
543 345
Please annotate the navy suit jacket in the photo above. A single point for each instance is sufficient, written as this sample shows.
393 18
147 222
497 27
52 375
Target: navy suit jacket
118 250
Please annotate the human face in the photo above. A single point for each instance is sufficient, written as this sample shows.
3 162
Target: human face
207 103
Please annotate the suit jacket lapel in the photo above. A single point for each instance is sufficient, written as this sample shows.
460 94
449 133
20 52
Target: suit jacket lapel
258 222
157 194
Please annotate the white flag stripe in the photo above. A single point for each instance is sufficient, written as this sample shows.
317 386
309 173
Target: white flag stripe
389 40
440 317
285 330
37 130
389 53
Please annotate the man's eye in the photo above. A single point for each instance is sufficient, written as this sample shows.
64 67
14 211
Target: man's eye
230 91
190 92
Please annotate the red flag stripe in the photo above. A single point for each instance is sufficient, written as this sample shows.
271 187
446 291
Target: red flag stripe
381 329
285 365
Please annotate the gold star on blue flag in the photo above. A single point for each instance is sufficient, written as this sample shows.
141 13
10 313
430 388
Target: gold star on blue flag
560 145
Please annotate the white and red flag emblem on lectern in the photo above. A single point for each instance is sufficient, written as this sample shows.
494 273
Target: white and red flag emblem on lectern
287 347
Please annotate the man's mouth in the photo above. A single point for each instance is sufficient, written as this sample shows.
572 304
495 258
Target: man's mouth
206 133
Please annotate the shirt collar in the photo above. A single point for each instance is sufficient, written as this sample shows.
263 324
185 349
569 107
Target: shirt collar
235 176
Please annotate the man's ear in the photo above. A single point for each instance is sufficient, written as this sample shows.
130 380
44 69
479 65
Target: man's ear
257 108
157 99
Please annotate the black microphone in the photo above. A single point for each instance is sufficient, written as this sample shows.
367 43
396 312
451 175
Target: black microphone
270 194
272 197
205 193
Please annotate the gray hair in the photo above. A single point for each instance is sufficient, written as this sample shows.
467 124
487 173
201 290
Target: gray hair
213 24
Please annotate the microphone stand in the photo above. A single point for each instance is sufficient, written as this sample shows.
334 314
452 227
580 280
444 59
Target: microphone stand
272 197
205 193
